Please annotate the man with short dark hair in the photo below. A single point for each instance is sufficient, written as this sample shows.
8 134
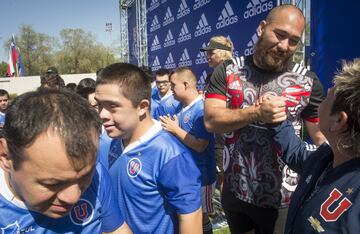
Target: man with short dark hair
257 183
154 175
166 103
51 80
50 181
4 103
52 70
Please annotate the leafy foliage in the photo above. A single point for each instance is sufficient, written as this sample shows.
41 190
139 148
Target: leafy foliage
75 51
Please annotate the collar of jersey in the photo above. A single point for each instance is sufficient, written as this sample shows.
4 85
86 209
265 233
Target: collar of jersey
200 97
166 95
147 136
7 194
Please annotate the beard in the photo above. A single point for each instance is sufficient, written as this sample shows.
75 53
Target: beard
271 59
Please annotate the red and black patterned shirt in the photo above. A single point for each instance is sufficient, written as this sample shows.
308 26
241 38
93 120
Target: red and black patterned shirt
253 171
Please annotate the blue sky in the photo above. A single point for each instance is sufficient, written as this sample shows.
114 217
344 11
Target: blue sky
50 16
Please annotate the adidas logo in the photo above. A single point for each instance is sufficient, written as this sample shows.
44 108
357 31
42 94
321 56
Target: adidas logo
183 10
250 45
184 34
203 26
169 63
156 64
153 5
169 18
155 45
200 3
235 85
169 39
255 7
154 24
201 56
201 81
185 59
227 17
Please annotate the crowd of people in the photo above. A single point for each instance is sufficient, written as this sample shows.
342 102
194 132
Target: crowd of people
137 152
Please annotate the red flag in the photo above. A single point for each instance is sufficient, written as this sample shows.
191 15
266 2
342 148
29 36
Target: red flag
10 69
13 58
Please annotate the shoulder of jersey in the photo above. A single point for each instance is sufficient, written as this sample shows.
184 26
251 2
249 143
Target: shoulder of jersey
301 70
239 61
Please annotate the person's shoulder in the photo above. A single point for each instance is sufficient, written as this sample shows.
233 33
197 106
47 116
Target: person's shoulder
198 108
301 70
172 148
98 175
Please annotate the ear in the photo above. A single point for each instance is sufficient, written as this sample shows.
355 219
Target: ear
339 122
261 28
187 85
143 107
5 161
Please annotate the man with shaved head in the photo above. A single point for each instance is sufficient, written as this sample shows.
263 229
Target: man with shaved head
257 183
188 127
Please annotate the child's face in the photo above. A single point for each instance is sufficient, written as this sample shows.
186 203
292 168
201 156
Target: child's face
120 118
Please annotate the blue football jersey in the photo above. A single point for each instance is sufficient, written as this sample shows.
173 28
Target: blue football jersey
2 118
97 211
191 119
167 105
103 149
155 179
155 102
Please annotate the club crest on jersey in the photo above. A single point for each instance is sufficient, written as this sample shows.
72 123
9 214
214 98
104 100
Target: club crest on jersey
134 167
82 213
187 117
332 208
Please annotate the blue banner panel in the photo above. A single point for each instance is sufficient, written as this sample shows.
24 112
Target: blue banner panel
177 29
334 36
132 35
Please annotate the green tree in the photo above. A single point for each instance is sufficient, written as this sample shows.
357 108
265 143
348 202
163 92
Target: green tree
80 52
3 69
37 50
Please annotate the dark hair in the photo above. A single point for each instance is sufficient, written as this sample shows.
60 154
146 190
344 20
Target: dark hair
71 87
3 92
98 71
189 76
67 113
85 87
53 70
52 80
181 70
147 72
135 86
162 72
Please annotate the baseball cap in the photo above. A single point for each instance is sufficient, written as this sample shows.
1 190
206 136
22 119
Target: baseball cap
52 70
213 45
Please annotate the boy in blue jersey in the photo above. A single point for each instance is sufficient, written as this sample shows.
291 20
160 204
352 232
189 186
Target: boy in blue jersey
165 101
4 103
50 182
188 126
155 178
155 98
327 198
86 89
